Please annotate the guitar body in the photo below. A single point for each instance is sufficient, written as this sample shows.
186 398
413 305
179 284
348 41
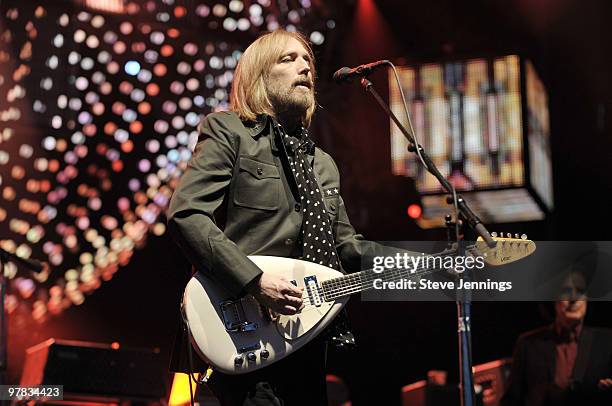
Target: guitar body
237 336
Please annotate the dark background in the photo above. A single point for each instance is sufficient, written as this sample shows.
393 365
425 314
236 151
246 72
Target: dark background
568 41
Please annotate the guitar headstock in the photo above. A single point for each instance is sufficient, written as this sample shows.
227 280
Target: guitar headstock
507 250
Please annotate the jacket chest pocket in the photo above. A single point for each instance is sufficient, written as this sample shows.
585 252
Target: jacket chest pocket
257 185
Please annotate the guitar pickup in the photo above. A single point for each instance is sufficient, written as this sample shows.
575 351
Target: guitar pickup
312 288
234 318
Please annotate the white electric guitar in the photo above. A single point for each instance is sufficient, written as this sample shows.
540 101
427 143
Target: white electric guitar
240 336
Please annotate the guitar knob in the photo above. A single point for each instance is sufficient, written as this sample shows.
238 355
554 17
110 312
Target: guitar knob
264 354
238 360
493 234
251 357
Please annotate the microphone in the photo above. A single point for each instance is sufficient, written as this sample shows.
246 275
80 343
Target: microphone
346 75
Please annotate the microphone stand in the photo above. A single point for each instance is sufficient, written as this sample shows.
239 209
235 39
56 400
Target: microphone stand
5 256
464 304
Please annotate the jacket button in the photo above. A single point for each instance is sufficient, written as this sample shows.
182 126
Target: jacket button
259 171
289 241
298 207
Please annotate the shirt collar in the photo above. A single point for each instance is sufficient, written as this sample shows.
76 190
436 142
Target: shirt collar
568 334
256 127
303 141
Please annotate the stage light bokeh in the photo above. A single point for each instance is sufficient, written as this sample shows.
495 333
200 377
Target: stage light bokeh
99 115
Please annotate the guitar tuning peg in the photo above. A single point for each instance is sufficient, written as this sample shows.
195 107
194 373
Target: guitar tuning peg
509 235
493 234
523 236
516 236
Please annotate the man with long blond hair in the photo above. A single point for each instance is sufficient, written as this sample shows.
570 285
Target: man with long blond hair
280 196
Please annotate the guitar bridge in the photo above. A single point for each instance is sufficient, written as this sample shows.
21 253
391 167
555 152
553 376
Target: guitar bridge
234 318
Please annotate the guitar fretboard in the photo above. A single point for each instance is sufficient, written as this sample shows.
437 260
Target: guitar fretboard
360 281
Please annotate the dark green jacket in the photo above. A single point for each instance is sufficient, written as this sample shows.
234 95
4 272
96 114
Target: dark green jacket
240 164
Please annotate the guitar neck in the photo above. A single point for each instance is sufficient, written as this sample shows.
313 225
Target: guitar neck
505 251
361 281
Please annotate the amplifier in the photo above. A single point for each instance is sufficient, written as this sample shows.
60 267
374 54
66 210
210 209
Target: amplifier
96 372
491 379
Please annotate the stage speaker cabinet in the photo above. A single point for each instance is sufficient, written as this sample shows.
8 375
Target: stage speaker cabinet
423 394
491 379
93 372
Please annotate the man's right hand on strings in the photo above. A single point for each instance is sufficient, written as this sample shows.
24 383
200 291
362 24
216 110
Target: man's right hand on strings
277 294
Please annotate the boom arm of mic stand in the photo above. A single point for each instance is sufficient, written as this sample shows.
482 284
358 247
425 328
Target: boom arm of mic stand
464 209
